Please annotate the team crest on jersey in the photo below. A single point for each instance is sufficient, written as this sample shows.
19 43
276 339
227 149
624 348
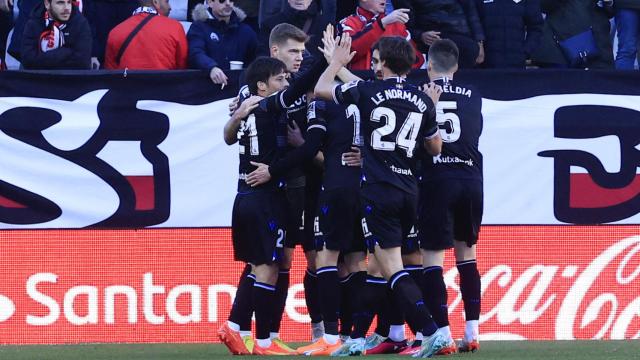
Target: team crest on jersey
587 189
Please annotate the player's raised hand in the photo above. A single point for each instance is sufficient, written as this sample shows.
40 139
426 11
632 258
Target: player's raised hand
329 42
352 158
433 91
342 54
258 176
247 106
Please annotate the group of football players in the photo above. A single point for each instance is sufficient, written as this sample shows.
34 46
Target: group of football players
374 178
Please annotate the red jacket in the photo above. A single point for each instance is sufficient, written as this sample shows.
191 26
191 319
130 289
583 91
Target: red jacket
160 45
365 29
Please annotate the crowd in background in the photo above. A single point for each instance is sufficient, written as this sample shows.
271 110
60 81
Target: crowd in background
219 35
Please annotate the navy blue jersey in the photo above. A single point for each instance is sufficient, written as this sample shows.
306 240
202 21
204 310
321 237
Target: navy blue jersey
342 131
459 115
262 138
395 119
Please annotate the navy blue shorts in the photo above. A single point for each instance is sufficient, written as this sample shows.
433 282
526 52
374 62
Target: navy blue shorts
388 215
258 227
450 210
338 223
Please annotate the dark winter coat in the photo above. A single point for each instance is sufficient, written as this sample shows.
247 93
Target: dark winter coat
626 4
447 16
321 13
512 31
571 17
213 43
74 54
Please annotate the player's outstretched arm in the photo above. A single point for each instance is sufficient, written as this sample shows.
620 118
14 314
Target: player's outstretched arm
230 132
341 56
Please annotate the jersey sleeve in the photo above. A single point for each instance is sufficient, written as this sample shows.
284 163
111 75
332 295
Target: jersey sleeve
347 93
430 123
316 132
316 116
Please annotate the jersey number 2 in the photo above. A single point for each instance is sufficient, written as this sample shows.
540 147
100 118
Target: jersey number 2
248 127
406 138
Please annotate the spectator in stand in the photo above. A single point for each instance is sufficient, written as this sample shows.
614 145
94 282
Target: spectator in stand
251 8
6 23
218 36
566 18
512 31
57 36
312 16
345 8
369 24
628 26
106 15
160 44
25 8
457 20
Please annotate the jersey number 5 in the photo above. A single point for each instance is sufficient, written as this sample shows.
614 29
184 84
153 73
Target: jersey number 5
448 122
406 138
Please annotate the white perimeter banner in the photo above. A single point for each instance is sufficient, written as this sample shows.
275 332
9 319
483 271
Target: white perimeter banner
148 152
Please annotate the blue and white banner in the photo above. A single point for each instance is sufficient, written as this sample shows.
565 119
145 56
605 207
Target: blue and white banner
146 150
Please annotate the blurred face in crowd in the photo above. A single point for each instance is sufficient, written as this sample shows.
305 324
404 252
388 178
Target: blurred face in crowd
274 84
59 10
290 53
162 7
221 9
376 64
300 4
374 6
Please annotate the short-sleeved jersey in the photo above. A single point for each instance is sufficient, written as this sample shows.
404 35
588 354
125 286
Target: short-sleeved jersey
395 119
342 131
262 138
459 116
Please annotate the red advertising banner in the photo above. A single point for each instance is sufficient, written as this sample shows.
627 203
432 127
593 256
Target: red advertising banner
176 285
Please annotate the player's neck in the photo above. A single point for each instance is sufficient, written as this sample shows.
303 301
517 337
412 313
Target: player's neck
437 76
388 74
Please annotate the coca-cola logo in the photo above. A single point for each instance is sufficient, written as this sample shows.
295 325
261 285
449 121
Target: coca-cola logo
597 177
572 301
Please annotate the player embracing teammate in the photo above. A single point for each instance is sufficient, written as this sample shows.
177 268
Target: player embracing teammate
397 122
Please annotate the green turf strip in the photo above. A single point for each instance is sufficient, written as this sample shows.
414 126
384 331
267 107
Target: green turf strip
495 350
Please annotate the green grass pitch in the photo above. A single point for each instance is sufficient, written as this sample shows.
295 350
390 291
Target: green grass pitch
494 350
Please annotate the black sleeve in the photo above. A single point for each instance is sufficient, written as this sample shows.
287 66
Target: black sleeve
301 86
300 155
430 122
347 93
314 140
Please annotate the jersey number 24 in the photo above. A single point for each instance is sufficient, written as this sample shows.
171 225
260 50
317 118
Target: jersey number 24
406 137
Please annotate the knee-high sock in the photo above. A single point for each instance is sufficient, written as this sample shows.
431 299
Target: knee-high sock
351 287
263 299
470 288
369 301
435 292
329 295
407 293
282 290
242 308
310 282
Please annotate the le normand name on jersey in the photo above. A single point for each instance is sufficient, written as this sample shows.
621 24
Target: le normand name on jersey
399 94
